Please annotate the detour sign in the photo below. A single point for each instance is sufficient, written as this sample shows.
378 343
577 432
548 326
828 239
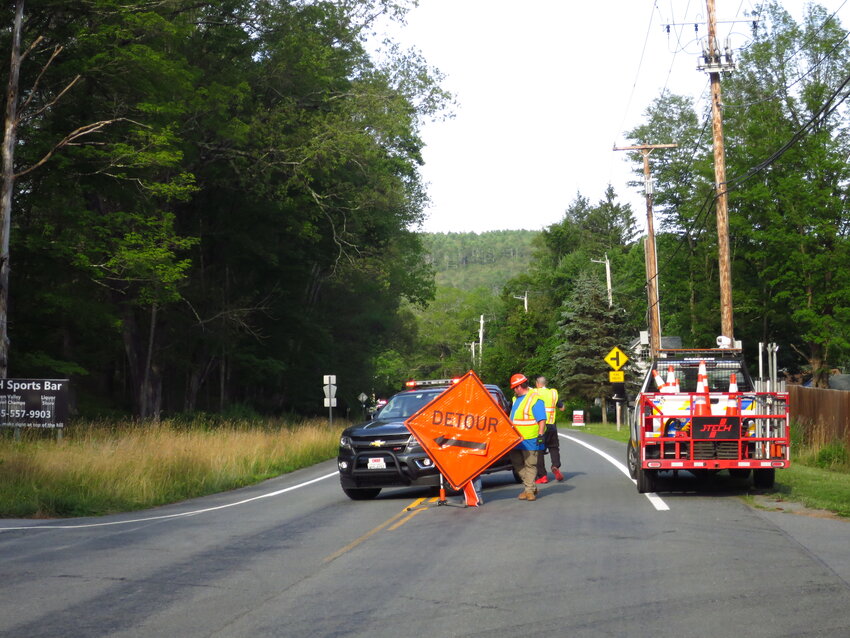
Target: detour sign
463 430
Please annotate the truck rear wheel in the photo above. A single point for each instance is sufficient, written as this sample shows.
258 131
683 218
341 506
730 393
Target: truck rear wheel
645 480
632 459
764 478
361 494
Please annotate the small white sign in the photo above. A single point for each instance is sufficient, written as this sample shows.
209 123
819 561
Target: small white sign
329 379
330 403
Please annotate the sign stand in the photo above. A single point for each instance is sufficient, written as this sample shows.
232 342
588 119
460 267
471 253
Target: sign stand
442 500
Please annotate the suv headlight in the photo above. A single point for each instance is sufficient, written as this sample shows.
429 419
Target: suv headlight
412 445
345 442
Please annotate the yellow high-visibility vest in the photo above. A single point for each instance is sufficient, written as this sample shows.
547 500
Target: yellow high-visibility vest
550 400
523 419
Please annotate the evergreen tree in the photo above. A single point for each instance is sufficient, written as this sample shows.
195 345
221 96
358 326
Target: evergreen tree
587 330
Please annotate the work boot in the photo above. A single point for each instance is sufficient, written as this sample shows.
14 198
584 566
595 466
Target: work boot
543 479
531 496
523 496
557 472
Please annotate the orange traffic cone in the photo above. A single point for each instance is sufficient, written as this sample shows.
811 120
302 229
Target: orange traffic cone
658 382
732 400
470 495
672 385
702 402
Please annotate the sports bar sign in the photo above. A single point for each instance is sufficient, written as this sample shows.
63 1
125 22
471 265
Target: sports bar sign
33 403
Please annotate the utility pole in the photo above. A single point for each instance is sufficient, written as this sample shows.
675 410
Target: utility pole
481 343
714 64
651 257
607 277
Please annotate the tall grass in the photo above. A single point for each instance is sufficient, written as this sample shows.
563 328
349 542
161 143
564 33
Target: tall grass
813 445
102 468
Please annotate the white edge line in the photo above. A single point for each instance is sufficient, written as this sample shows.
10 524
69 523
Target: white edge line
180 515
656 500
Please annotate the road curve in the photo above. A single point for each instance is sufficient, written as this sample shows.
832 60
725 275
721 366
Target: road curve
294 557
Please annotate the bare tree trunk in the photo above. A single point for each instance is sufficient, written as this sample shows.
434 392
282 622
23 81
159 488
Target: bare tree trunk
197 377
151 393
222 390
129 333
10 131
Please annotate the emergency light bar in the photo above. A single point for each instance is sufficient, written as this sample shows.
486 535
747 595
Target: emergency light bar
413 383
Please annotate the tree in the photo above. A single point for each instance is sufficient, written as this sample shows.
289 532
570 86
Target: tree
245 225
40 99
587 330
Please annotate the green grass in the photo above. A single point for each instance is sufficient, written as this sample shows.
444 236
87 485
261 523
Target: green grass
819 476
814 487
105 468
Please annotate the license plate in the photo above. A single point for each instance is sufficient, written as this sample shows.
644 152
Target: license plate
377 463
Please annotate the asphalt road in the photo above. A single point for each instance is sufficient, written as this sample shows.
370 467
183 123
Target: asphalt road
292 557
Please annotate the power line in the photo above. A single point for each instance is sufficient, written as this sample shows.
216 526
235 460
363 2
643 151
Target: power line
680 48
640 63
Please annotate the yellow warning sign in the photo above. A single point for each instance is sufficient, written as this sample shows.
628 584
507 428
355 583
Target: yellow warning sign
616 376
616 358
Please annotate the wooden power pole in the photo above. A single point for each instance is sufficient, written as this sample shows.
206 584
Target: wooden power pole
714 64
651 257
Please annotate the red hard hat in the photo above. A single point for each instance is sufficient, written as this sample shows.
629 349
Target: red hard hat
518 379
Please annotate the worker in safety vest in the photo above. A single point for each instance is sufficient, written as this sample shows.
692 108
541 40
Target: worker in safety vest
550 437
528 415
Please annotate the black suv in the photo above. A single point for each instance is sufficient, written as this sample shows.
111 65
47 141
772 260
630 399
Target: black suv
383 453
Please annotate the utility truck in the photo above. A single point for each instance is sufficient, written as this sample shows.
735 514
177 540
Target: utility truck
700 411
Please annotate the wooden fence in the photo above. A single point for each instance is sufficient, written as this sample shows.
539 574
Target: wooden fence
823 414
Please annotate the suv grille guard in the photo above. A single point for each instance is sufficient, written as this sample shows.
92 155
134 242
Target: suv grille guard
397 466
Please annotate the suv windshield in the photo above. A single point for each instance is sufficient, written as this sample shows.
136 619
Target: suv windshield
405 404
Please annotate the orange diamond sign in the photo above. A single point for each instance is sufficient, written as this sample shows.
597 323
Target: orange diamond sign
463 430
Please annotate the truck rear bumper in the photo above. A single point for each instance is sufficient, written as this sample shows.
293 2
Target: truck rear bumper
711 464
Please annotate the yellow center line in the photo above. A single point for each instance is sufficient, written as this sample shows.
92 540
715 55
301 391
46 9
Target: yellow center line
414 504
407 518
357 541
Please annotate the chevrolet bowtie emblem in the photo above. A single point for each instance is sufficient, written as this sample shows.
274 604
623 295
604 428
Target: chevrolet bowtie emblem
378 443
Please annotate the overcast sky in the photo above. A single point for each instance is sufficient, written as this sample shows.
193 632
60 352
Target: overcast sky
545 90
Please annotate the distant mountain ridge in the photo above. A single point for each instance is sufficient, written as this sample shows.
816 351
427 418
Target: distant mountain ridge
479 260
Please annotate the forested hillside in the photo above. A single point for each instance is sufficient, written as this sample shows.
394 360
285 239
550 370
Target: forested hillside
479 260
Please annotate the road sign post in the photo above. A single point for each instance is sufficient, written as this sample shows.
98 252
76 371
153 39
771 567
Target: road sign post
617 359
363 397
330 395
